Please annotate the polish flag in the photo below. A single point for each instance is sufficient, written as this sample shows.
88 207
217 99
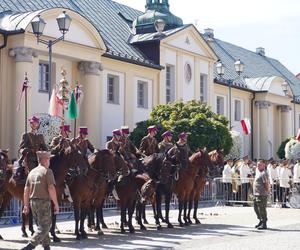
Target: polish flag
246 125
298 135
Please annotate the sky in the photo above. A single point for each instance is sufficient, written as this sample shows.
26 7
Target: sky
272 24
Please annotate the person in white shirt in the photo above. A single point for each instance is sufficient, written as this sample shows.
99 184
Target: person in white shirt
227 181
285 176
245 175
274 179
296 178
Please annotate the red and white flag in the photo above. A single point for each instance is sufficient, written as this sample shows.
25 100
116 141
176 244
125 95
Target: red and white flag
246 125
298 135
25 86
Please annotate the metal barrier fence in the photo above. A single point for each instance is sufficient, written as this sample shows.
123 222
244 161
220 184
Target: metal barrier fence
216 191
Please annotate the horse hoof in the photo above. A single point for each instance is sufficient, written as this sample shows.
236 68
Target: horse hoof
158 227
146 222
170 225
78 237
181 224
56 239
32 233
104 226
100 233
97 228
1 238
84 235
197 221
186 223
25 235
190 222
131 229
123 231
143 228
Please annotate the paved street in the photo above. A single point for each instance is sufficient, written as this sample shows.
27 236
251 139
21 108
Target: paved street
222 228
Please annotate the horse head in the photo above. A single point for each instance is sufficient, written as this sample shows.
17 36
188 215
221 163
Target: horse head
216 159
200 159
4 164
104 162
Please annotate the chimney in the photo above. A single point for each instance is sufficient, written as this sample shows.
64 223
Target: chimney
209 33
260 51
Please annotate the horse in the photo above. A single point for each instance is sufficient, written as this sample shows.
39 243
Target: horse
99 196
85 187
215 158
185 183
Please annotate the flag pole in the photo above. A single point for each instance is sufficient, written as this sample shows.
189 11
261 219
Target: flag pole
26 108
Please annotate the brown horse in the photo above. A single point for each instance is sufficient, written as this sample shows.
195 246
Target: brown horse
216 158
85 187
185 183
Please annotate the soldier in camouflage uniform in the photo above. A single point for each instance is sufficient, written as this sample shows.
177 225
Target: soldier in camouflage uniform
114 144
31 143
40 190
149 144
166 144
82 142
62 141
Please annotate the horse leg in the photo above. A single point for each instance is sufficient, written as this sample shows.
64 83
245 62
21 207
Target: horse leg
189 211
82 219
23 228
52 230
180 206
101 218
168 198
30 222
138 212
185 204
91 218
123 218
153 203
144 214
98 215
130 214
158 204
195 211
76 216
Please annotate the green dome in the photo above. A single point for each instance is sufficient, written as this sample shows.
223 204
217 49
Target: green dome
156 9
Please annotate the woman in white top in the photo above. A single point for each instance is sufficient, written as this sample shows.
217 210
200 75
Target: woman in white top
227 181
274 179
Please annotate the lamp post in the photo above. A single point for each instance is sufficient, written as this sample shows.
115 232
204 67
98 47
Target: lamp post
286 90
239 68
38 24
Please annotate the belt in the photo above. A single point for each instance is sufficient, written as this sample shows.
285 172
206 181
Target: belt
39 199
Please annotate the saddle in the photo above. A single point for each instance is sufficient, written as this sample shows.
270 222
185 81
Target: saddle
20 176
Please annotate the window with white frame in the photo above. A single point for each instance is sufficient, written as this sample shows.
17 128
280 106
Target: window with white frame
170 83
220 105
237 110
113 89
203 87
142 94
44 80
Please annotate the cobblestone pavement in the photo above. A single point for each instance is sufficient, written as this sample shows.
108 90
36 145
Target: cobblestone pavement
226 228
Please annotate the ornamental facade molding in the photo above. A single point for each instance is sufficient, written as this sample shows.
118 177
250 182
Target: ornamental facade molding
90 68
23 54
284 108
262 104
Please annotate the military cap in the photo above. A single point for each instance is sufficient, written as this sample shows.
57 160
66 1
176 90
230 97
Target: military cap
152 128
34 119
182 135
83 130
65 128
125 129
116 132
167 133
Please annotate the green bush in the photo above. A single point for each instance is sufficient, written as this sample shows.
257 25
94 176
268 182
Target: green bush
281 152
206 128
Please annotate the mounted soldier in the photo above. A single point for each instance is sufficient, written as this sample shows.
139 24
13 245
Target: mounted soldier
185 151
61 141
31 142
128 149
166 144
114 144
149 144
82 142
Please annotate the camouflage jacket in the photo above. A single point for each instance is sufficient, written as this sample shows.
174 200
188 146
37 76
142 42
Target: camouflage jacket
149 146
83 145
165 146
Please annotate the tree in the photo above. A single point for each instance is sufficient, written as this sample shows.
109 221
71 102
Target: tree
206 128
235 151
280 152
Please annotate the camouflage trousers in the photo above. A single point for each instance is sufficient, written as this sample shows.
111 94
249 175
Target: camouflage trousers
41 211
260 207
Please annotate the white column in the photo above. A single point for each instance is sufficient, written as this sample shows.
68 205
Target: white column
263 107
286 121
23 64
91 110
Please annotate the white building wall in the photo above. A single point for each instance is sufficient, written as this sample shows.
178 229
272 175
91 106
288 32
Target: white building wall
188 87
113 114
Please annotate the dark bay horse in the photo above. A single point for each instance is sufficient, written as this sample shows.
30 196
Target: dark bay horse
85 187
185 183
215 160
